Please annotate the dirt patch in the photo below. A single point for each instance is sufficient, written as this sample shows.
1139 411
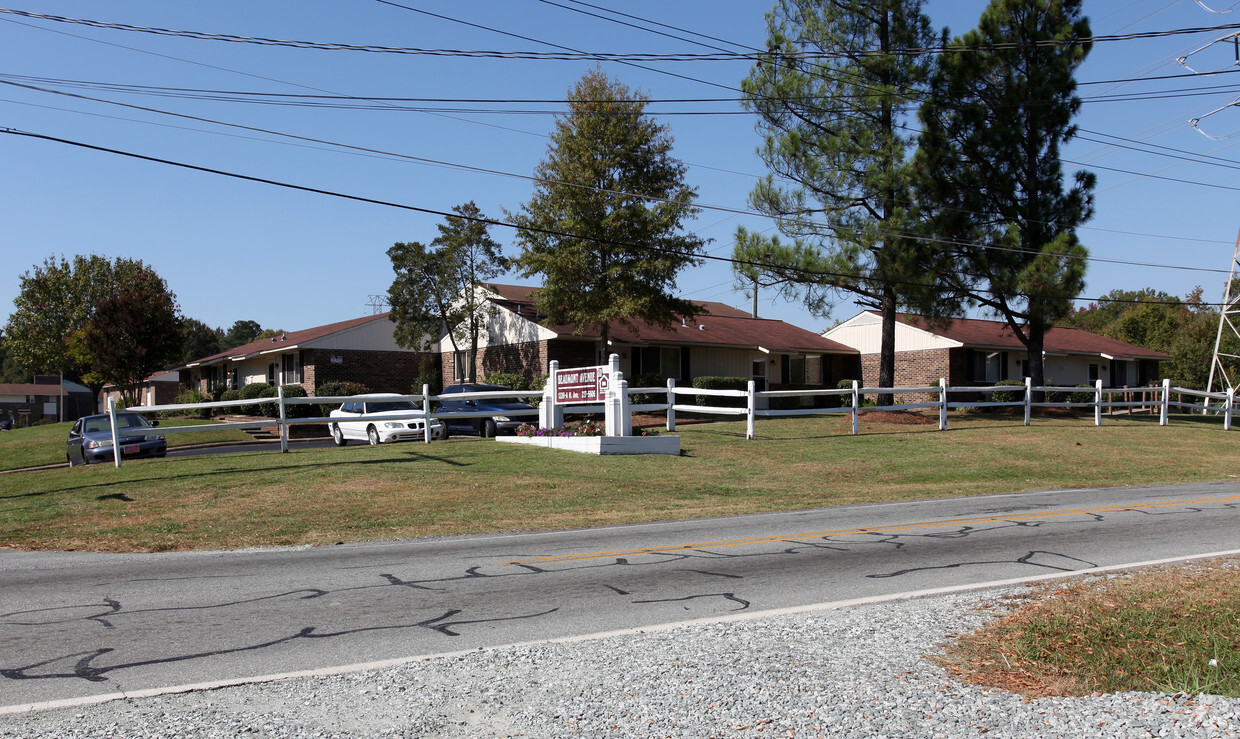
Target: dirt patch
896 418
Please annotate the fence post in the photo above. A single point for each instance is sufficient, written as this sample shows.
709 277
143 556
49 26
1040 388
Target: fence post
1098 402
856 411
671 404
116 446
1166 403
283 420
616 411
942 404
426 413
751 402
1028 400
1231 404
549 414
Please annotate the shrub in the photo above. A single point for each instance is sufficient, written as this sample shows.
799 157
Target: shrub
720 383
508 379
648 379
1008 396
844 400
430 373
1082 396
254 391
337 389
298 410
186 397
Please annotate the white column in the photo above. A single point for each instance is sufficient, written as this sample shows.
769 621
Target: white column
1098 402
1165 411
426 413
283 420
671 404
549 414
942 404
1028 400
856 410
751 402
116 441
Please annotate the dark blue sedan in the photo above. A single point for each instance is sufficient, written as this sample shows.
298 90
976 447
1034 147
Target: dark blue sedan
503 420
90 439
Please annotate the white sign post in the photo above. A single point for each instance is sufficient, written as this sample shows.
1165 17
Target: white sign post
580 385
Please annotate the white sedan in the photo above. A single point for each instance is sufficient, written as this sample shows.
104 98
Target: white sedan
380 418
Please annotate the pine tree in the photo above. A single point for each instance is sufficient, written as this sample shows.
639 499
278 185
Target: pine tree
831 94
1000 107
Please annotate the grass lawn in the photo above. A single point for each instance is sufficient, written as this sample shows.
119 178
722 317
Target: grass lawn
468 485
40 445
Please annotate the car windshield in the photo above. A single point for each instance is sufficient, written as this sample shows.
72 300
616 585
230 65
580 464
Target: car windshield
123 421
391 405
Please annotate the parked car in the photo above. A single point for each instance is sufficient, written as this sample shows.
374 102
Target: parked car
501 422
403 427
90 439
6 424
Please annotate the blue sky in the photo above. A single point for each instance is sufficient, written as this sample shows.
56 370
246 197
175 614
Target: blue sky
233 249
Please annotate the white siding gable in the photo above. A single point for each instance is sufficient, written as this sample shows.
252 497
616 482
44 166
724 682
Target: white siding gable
864 332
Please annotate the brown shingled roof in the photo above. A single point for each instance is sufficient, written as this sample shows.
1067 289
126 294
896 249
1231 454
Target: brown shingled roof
998 335
289 339
718 324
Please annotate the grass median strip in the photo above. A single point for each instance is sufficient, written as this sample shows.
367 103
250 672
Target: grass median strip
468 485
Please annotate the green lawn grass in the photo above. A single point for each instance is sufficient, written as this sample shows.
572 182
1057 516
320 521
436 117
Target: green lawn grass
40 445
469 485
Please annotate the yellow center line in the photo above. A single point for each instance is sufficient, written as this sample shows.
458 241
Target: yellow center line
671 549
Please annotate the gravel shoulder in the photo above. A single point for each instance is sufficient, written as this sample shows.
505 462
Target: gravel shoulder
862 671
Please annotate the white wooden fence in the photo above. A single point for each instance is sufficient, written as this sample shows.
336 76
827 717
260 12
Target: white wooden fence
1154 400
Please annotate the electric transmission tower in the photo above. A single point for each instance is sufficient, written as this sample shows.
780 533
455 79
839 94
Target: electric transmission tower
377 304
1227 327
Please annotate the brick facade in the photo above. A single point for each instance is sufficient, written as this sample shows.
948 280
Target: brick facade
379 371
530 359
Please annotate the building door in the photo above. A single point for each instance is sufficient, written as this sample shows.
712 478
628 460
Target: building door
759 375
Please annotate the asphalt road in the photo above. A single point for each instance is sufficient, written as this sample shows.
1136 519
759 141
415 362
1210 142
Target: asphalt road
74 624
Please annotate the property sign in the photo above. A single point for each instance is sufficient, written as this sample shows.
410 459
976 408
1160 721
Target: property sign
582 384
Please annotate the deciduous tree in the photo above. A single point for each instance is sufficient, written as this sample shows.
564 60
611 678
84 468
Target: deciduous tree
433 293
605 227
56 301
133 333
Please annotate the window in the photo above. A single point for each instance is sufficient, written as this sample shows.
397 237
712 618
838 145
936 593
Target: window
460 360
987 367
290 369
1093 372
796 369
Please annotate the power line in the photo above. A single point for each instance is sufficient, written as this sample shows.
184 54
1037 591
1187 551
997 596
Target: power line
843 276
424 160
569 54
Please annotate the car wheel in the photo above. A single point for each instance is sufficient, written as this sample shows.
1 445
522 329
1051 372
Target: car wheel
338 436
372 435
488 428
